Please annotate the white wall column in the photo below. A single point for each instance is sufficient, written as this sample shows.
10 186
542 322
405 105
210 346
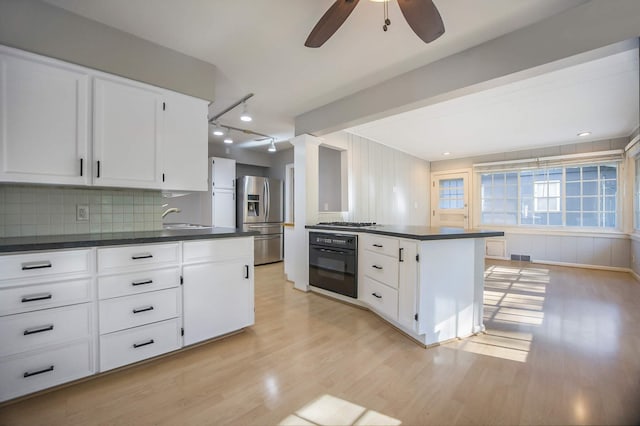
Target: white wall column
305 163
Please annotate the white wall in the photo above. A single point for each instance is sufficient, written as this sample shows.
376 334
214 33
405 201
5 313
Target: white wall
330 183
385 186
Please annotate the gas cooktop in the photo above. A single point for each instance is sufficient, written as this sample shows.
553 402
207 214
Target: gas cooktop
353 224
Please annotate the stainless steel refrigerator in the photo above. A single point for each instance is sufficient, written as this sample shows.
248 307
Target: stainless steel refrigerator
259 209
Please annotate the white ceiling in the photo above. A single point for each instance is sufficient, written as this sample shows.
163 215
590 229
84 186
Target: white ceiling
551 109
258 47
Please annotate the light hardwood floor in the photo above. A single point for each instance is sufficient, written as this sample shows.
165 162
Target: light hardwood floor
562 347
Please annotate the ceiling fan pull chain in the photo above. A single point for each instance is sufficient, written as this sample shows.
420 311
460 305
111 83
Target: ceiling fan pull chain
387 21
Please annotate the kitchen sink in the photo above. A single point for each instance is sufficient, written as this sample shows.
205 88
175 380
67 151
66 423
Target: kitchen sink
184 226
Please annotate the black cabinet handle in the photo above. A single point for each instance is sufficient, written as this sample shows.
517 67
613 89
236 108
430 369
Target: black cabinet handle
246 271
34 373
145 309
376 267
35 330
139 345
35 297
142 256
400 252
36 265
81 166
378 245
376 295
98 171
141 282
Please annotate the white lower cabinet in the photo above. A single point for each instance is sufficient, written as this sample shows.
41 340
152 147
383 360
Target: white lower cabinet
32 371
381 298
218 297
139 343
47 320
140 304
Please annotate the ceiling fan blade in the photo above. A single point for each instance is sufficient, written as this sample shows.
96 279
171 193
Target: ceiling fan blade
330 22
423 18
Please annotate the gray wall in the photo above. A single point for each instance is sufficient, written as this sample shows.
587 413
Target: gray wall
241 155
330 182
635 256
251 170
279 160
41 28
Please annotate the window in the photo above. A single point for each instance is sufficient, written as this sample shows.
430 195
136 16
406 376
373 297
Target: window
575 196
451 193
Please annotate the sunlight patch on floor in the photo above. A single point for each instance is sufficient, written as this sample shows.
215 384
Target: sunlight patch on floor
498 346
330 410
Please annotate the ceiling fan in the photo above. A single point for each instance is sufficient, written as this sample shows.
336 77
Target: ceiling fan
421 15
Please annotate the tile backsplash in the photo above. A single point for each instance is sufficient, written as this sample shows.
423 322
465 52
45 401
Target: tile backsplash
27 210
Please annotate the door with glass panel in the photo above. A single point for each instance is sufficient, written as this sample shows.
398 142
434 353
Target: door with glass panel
450 199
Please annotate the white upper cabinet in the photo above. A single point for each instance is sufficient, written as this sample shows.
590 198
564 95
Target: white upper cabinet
223 173
143 136
184 143
44 109
127 127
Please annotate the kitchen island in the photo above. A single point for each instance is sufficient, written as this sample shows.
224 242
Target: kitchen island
72 306
428 282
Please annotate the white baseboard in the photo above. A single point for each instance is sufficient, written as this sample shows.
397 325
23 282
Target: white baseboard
634 275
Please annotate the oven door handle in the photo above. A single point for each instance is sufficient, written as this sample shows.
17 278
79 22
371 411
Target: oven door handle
332 251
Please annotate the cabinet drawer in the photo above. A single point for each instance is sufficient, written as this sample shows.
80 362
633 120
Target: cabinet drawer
121 259
44 264
385 245
23 374
381 298
39 296
131 311
217 249
23 332
137 282
381 267
139 343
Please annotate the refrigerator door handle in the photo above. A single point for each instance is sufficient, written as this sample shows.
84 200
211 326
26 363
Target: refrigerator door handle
268 201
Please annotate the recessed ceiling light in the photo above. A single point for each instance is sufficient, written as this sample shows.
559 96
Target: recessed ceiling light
446 153
583 134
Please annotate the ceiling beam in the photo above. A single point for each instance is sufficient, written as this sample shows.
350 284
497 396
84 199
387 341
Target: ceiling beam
583 33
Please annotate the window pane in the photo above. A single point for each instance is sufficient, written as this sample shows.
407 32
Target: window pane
573 219
486 179
555 219
610 220
590 204
609 187
590 173
526 210
607 172
511 219
590 188
590 219
573 188
573 174
609 204
540 219
573 204
512 191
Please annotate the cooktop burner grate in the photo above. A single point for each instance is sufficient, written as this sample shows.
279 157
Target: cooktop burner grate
354 224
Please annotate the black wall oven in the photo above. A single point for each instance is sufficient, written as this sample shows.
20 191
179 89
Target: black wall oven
333 262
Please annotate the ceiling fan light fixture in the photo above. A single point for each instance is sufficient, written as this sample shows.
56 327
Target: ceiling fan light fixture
245 113
272 146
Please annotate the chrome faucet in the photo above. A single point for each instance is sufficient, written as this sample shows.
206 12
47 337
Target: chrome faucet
170 210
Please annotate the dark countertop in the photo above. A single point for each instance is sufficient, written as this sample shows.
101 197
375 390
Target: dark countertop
422 233
54 242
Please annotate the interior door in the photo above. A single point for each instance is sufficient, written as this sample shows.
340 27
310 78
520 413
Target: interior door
450 199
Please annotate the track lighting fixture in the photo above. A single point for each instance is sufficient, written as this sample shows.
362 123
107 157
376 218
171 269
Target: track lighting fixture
217 130
272 146
227 138
245 113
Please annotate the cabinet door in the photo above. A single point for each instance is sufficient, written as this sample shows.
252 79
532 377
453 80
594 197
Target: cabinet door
223 173
408 285
217 298
126 134
43 121
224 208
185 143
